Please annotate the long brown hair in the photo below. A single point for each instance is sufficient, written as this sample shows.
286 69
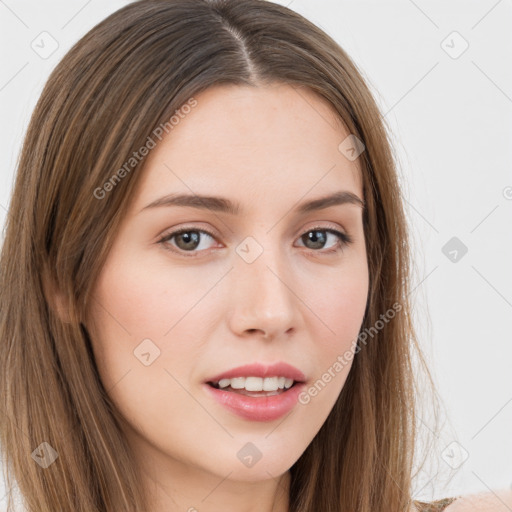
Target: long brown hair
112 90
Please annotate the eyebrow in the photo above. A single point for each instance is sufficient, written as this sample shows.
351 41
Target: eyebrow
221 204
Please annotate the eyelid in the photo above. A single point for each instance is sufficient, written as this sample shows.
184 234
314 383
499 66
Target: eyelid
163 239
344 238
319 227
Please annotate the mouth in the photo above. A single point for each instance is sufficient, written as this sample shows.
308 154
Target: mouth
255 386
256 398
258 380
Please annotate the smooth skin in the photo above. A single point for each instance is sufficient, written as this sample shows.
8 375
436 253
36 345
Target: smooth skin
494 501
207 309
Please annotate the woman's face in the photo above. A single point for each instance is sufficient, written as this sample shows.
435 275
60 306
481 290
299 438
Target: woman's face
271 283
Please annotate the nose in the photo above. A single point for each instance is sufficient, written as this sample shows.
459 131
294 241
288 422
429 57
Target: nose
262 299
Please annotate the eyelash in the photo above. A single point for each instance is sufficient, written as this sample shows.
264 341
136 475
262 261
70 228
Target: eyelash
344 240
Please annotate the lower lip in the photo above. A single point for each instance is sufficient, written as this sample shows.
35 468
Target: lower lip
258 408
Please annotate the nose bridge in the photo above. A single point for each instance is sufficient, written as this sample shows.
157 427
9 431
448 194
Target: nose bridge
263 299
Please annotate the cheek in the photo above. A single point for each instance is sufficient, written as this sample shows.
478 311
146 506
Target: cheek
139 300
132 309
345 306
335 321
131 304
337 314
341 302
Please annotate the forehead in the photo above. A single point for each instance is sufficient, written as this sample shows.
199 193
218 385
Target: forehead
251 141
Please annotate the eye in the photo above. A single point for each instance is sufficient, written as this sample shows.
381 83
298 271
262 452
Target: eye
189 240
316 238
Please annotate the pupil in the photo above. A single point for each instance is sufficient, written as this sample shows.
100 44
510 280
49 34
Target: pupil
191 239
312 236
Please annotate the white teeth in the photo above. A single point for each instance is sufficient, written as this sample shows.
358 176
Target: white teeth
238 382
254 384
270 383
224 383
257 383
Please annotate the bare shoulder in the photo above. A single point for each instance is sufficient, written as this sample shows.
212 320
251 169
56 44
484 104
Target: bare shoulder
499 500
431 506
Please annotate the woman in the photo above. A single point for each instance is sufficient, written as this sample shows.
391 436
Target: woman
204 279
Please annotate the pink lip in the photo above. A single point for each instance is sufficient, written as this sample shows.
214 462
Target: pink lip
260 370
259 408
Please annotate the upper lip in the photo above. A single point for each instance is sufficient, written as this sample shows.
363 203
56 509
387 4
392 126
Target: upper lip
279 369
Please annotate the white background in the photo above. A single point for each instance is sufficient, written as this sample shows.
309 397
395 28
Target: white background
452 130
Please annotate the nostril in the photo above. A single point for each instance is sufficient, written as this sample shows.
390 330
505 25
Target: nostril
252 331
